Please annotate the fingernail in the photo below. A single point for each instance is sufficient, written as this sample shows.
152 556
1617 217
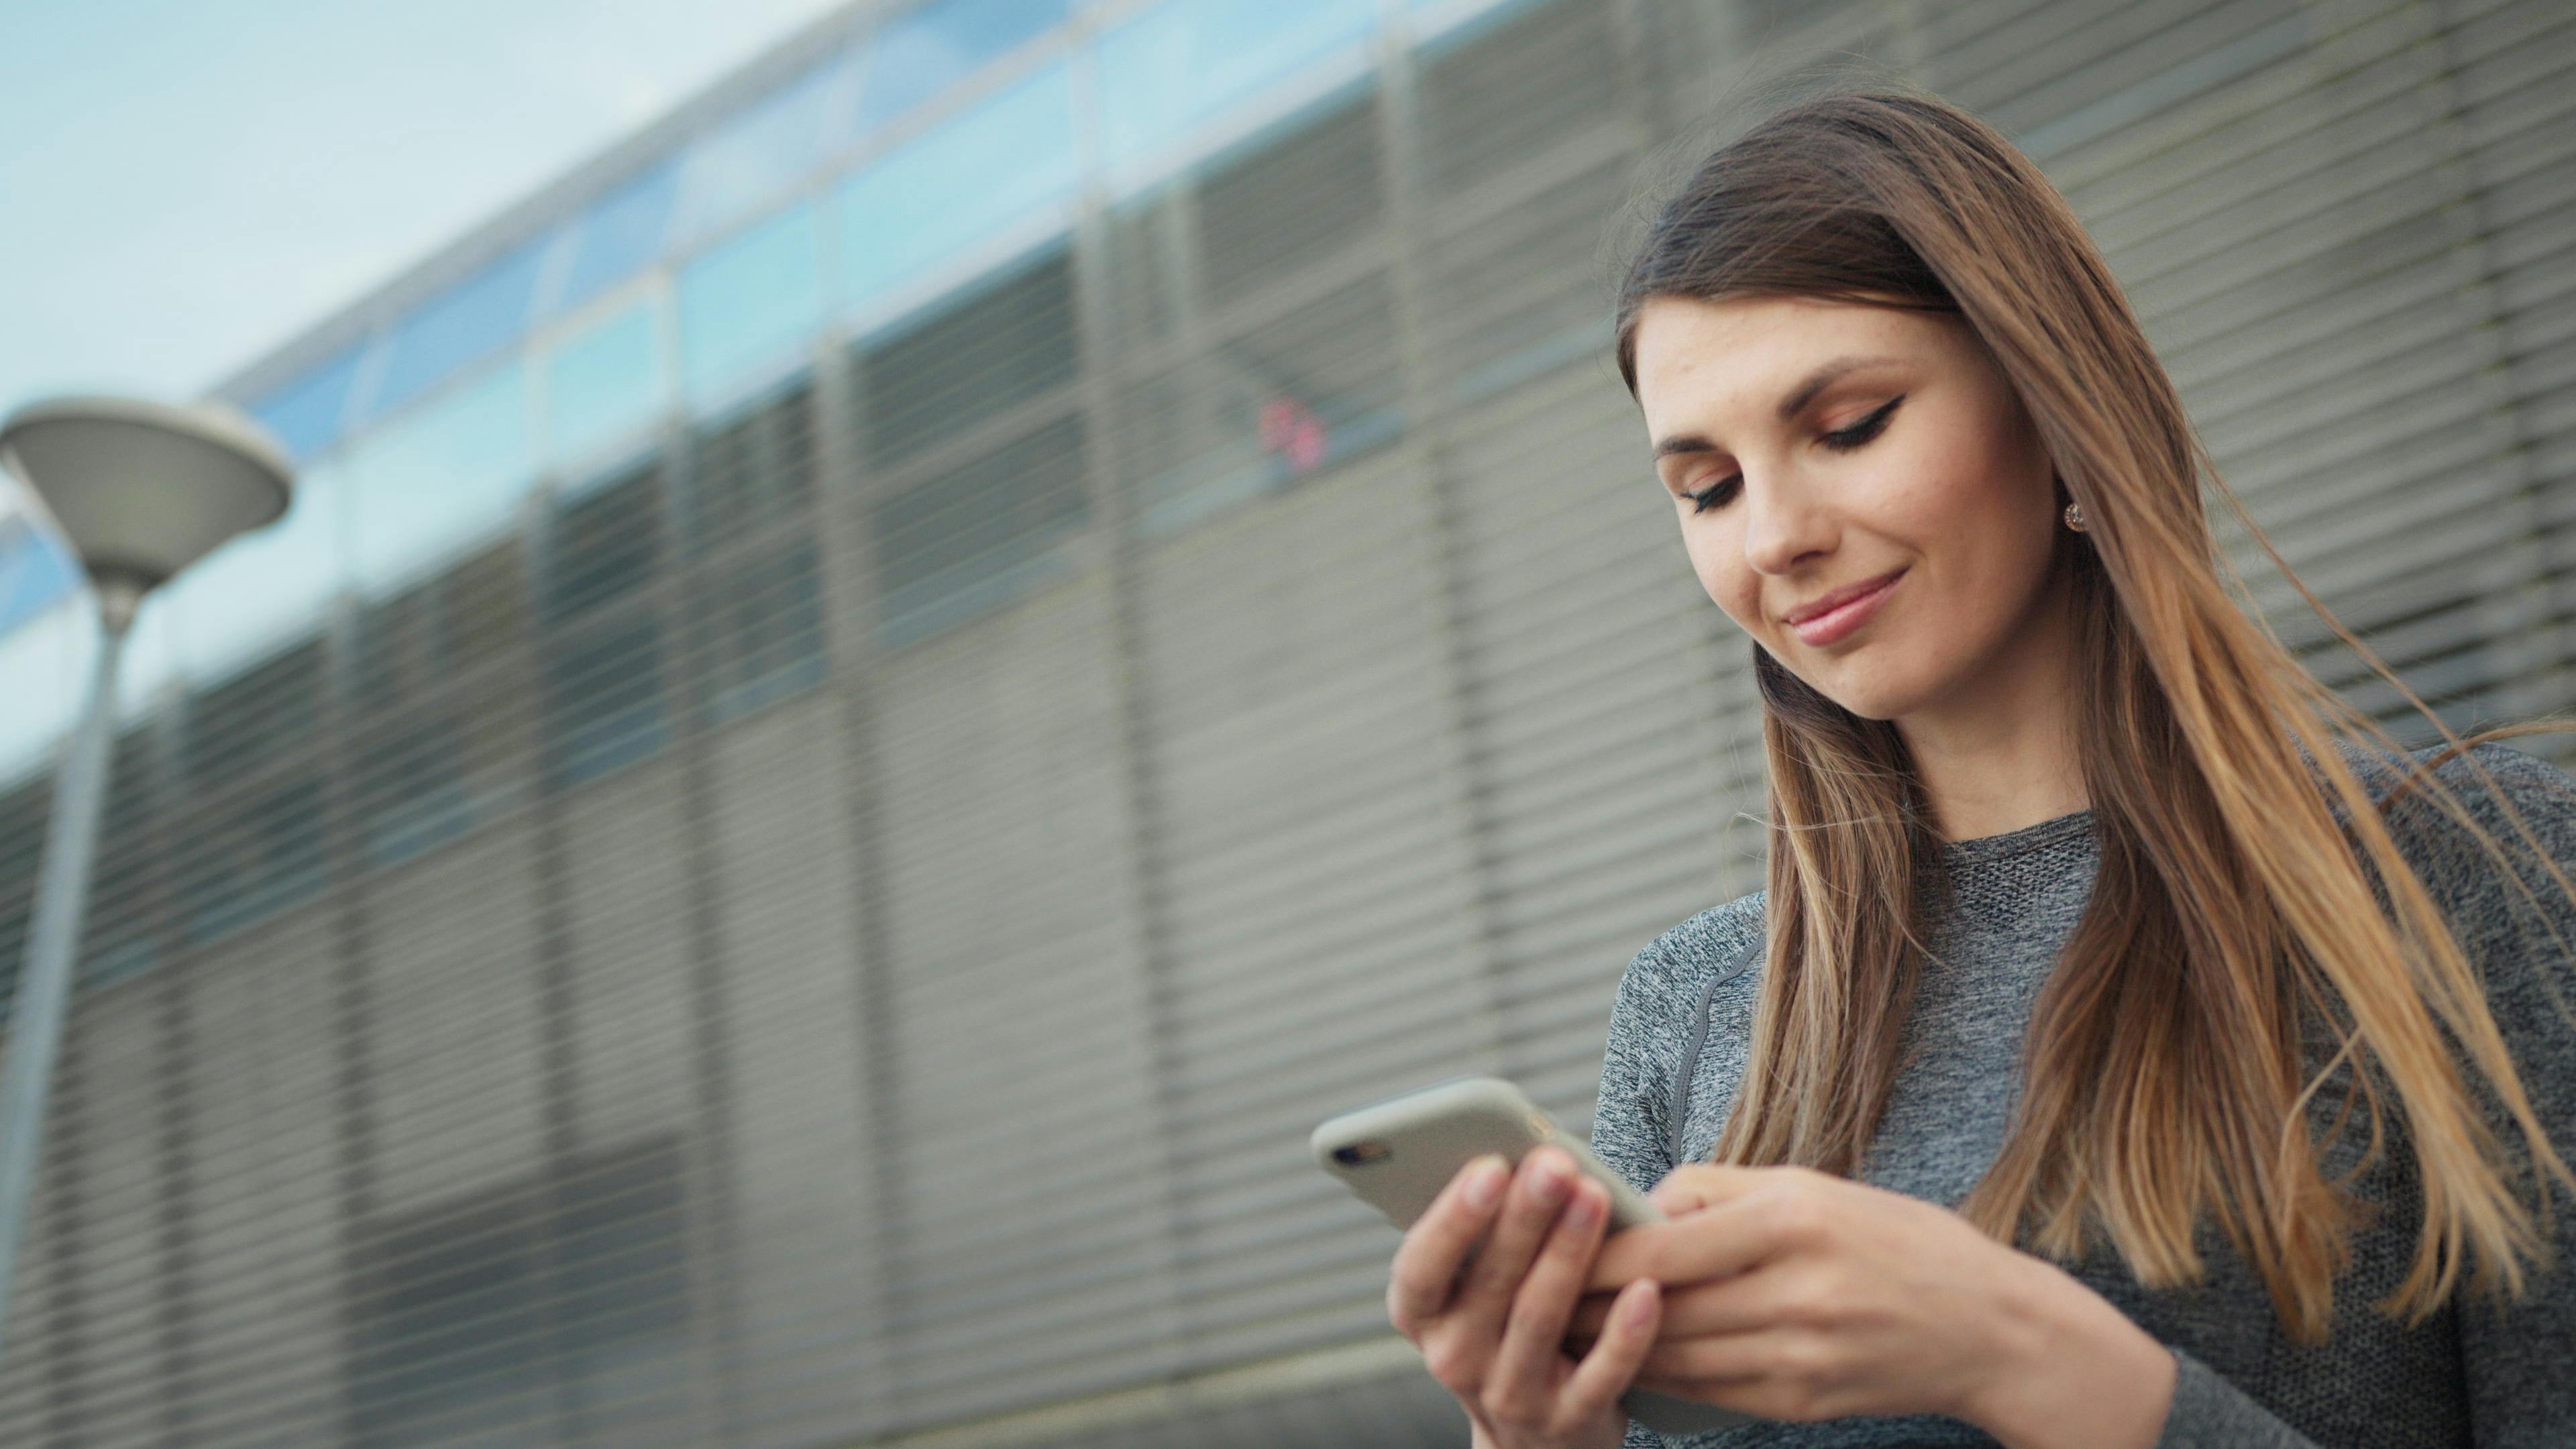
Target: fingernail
1585 1209
1485 1183
1641 1303
1547 1184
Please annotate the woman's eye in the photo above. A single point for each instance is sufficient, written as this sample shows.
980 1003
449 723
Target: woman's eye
1841 440
1707 498
1845 439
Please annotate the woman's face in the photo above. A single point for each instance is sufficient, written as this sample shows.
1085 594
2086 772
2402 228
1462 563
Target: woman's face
1842 448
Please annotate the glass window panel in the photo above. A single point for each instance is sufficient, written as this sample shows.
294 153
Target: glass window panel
264 587
23 813
249 860
1308 193
440 481
256 718
1004 343
1320 383
408 645
440 737
118 941
749 160
620 1302
754 468
1182 63
460 327
1524 292
1312 388
474 1320
305 414
606 690
940 44
36 571
605 543
1513 87
620 233
1001 165
410 791
750 300
604 382
970 532
40 676
765 618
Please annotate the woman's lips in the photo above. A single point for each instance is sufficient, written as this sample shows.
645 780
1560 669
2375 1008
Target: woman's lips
1841 620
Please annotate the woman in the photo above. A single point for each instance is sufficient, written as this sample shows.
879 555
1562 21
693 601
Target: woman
2133 1045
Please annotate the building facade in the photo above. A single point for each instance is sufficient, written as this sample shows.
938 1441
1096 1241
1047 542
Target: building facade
874 702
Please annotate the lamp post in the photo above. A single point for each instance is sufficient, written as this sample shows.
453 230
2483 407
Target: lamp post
141 490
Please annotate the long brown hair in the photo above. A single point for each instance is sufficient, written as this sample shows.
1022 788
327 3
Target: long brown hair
2231 918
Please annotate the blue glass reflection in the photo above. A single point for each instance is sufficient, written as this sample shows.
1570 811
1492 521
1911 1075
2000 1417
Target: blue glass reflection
458 328
750 300
620 234
999 165
1180 64
759 154
265 587
940 44
305 413
35 570
441 480
604 382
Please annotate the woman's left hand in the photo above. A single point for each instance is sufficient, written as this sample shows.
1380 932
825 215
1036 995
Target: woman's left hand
1797 1295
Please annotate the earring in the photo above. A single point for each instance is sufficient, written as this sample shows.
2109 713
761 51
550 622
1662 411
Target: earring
2075 517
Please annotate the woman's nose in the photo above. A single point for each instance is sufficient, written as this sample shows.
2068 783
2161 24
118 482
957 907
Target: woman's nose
1784 525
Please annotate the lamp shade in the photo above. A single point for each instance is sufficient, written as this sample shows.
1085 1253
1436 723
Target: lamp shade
143 489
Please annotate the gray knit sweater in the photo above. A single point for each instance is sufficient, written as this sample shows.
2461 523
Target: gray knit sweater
2470 1375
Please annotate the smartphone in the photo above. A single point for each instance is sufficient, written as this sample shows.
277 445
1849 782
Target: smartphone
1399 1153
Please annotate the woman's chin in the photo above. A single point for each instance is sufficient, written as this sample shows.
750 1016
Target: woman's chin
1864 693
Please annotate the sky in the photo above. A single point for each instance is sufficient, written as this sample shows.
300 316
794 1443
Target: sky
184 184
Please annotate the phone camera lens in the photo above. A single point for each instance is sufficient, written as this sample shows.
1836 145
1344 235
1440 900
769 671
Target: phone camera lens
1360 1154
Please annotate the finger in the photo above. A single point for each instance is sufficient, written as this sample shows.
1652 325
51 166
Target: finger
1425 1272
1590 1312
1770 1296
1730 1358
1535 1326
1538 1191
1696 1185
1626 1338
1714 1242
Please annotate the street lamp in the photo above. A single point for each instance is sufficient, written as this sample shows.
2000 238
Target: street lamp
141 490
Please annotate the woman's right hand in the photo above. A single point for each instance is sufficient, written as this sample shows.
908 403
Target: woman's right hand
1491 1330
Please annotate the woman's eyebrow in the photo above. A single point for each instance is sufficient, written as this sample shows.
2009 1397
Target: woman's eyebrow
1790 404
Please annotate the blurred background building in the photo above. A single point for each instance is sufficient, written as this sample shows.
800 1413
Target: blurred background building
872 703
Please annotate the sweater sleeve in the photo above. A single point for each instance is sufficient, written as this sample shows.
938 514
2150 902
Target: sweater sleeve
2515 1354
1631 1119
2210 1413
1628 1122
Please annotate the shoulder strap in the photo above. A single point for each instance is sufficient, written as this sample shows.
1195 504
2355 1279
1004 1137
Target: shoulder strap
1677 1117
